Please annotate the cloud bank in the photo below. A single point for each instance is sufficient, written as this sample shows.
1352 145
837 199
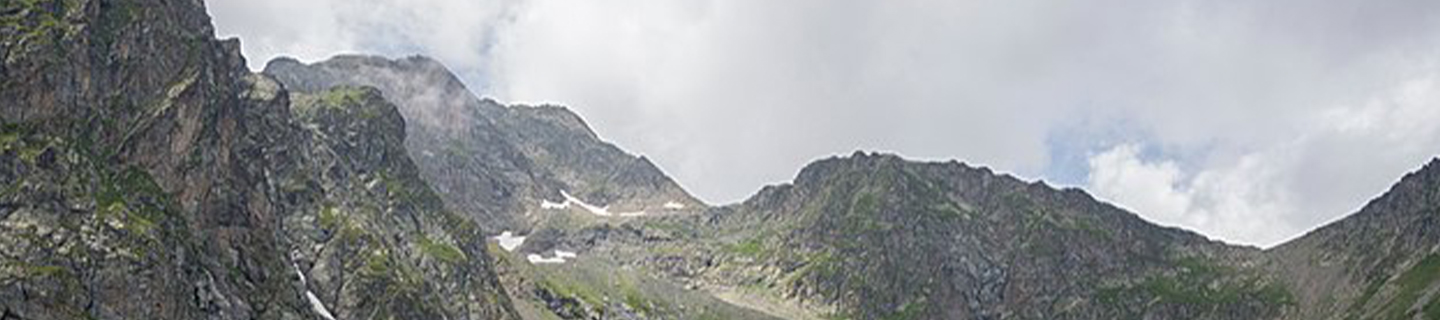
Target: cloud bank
1247 121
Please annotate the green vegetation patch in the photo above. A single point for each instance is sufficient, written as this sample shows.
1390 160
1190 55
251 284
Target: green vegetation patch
340 98
1411 286
751 247
9 137
25 143
330 217
131 200
1197 282
444 251
37 20
908 311
29 270
343 96
1432 310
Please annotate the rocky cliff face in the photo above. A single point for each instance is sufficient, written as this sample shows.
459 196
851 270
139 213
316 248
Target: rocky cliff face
369 236
497 163
1380 263
148 174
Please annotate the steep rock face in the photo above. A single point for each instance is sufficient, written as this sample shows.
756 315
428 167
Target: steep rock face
147 174
494 162
370 238
126 193
1380 263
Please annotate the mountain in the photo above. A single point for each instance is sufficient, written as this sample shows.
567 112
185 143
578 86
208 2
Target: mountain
497 163
1380 263
527 170
874 236
147 174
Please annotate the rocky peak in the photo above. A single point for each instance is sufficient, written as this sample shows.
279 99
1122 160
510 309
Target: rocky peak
555 116
1416 186
933 234
432 97
886 162
496 163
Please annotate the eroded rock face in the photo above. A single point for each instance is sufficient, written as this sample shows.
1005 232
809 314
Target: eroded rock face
147 174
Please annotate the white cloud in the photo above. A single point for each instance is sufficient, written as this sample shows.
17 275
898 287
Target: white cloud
455 31
1345 156
1310 107
1234 202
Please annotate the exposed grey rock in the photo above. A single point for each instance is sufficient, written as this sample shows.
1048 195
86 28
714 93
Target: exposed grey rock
1380 263
494 162
148 175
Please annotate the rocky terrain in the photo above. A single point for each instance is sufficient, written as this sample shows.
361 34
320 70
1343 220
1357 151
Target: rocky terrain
1380 263
874 236
497 163
148 175
865 236
145 173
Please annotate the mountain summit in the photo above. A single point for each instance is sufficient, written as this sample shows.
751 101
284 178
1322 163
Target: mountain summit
498 163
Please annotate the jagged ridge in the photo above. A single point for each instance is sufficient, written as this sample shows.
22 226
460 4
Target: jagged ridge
494 162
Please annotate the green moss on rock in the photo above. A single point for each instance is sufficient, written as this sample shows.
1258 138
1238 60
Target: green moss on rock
440 250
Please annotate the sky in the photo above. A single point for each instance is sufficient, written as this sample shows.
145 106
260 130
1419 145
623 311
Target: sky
1248 121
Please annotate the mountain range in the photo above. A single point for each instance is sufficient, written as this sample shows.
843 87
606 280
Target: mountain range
146 173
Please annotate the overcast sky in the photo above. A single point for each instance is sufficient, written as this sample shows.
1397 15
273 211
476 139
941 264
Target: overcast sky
1248 121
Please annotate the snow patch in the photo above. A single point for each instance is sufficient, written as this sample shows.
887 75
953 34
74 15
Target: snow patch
318 306
564 254
546 204
599 211
509 241
672 205
537 259
315 302
594 209
560 256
